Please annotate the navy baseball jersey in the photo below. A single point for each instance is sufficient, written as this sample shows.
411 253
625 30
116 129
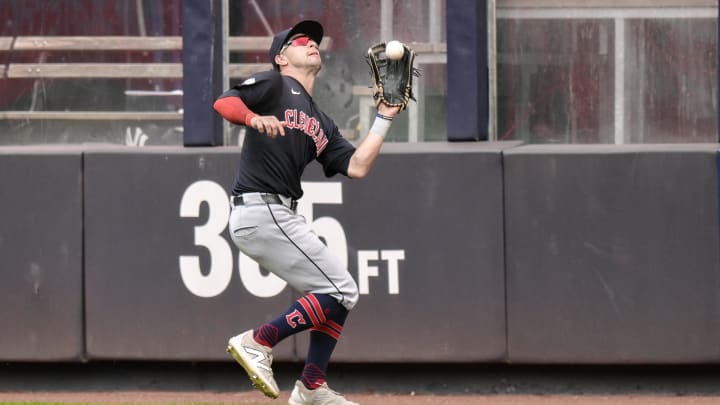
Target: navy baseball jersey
275 165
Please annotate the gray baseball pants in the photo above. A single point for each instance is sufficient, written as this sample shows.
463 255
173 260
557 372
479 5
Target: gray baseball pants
282 242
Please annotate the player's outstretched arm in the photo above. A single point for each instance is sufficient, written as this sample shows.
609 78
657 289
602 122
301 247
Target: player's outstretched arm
234 110
366 152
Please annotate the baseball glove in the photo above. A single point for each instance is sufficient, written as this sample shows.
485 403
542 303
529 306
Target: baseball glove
392 78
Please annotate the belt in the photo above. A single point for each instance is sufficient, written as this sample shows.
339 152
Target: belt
252 199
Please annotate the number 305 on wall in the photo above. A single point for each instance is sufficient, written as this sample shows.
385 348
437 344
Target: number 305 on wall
212 236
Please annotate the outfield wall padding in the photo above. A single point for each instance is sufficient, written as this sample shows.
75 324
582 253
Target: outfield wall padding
612 254
41 254
137 303
464 253
419 264
441 205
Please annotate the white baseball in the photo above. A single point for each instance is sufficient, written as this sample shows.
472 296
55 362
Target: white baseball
394 50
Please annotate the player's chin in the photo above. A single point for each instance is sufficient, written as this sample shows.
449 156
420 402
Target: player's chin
315 63
314 59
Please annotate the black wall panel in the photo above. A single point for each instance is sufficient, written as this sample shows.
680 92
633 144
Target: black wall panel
612 254
138 304
442 207
40 254
428 271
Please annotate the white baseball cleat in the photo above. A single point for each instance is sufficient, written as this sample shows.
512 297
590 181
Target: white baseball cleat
323 395
256 359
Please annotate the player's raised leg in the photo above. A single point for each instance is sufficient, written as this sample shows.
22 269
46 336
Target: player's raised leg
253 349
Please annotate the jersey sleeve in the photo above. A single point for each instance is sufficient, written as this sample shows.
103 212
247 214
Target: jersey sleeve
257 91
335 158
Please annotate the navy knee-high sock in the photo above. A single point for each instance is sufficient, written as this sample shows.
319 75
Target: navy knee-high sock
323 339
310 311
322 344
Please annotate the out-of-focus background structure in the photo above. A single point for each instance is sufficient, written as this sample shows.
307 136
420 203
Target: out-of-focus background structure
554 71
551 198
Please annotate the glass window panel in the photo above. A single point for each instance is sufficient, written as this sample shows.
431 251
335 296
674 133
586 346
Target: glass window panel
671 93
555 80
558 71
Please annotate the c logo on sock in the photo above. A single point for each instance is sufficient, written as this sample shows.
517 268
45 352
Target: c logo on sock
294 318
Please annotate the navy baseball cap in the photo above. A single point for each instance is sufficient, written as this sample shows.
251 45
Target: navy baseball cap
311 28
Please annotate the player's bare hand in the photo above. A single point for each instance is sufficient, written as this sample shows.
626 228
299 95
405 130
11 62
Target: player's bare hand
269 125
388 111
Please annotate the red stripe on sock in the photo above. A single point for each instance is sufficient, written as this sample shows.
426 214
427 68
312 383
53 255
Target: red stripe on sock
308 309
334 325
318 308
328 331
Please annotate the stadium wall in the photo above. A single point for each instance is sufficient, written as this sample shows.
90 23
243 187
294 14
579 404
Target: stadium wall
491 252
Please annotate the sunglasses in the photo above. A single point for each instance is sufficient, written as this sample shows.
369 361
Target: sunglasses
298 41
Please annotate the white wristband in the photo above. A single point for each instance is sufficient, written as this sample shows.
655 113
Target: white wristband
381 126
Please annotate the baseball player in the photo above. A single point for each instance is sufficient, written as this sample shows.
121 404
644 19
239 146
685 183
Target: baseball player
286 131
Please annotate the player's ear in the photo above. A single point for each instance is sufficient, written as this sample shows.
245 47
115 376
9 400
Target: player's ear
281 60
